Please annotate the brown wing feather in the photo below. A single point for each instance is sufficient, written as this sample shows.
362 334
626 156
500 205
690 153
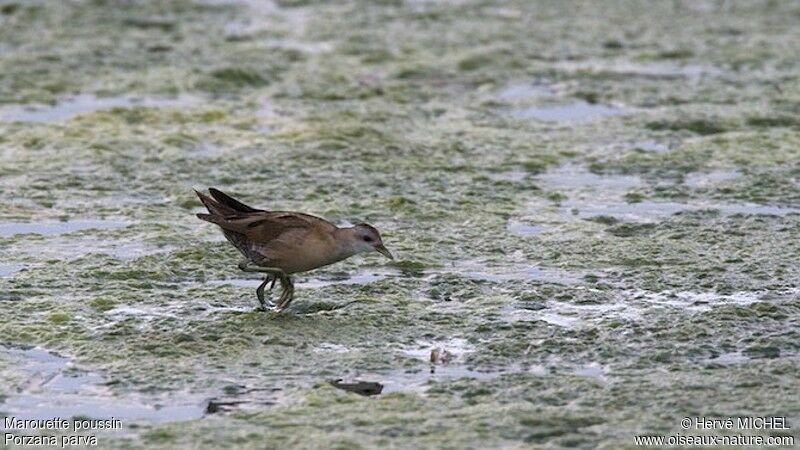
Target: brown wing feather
263 227
271 226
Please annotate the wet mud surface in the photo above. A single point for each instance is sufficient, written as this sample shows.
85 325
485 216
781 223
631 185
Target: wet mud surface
596 220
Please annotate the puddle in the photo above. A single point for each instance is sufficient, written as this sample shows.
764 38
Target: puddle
327 347
561 320
627 306
538 370
87 103
53 228
419 380
509 175
649 211
698 301
144 313
54 389
424 5
144 316
705 179
240 397
257 6
641 211
304 46
654 70
522 91
729 358
206 150
572 112
568 315
8 269
653 146
592 370
75 248
510 272
523 229
265 110
575 176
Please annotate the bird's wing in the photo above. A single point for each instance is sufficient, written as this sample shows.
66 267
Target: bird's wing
263 227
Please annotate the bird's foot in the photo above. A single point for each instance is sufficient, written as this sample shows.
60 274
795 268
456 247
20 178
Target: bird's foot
265 305
286 296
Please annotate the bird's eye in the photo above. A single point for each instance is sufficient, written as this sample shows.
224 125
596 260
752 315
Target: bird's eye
367 239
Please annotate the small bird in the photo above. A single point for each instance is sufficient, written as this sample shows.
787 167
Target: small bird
280 243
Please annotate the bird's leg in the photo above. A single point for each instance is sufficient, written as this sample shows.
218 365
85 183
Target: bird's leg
273 273
260 291
286 296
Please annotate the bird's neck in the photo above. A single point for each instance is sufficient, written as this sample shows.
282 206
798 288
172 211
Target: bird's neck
345 242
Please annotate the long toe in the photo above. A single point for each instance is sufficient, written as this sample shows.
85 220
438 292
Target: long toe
283 297
284 303
281 305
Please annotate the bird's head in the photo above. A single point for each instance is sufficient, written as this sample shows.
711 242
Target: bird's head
366 238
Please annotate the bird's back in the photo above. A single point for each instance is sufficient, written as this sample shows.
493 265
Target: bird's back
292 241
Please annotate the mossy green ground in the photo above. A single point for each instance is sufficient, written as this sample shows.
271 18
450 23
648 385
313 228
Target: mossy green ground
416 117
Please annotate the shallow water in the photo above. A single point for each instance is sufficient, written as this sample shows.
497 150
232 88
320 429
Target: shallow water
574 176
83 104
424 378
655 70
730 358
575 111
9 269
523 229
419 380
124 249
699 301
484 149
522 91
705 179
651 145
508 273
569 315
54 228
54 389
649 211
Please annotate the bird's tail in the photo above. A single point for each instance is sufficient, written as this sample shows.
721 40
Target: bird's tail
210 218
213 206
231 202
221 206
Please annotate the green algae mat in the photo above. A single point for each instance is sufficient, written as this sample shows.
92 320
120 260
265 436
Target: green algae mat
594 208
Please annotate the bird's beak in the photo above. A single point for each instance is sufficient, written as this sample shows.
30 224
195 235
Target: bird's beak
383 251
